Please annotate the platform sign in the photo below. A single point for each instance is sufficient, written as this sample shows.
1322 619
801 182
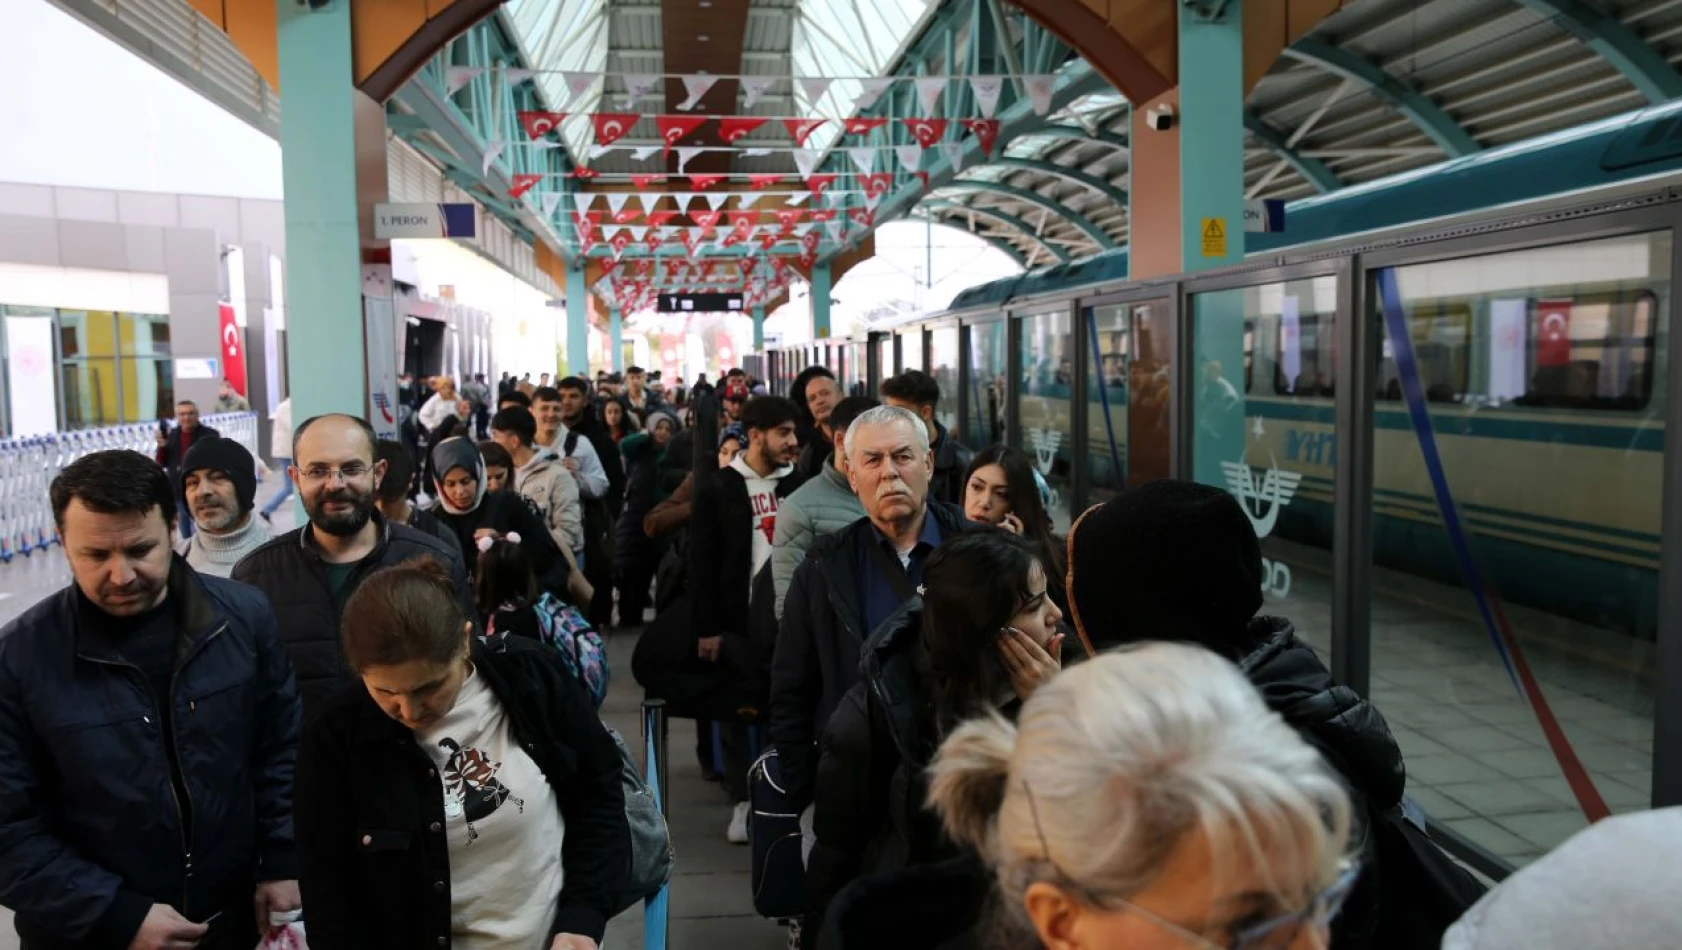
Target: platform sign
1214 237
1264 216
424 221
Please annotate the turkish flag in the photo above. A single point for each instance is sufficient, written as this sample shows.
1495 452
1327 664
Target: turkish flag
233 348
675 128
538 124
733 129
986 132
864 126
926 131
706 219
660 219
612 126
1553 332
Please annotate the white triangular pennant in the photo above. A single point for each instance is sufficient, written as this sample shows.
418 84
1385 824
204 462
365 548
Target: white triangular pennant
616 202
582 200
516 75
864 158
797 198
954 154
1039 92
911 156
803 227
597 151
577 85
684 154
806 161
929 89
987 89
717 200
683 199
754 88
872 200
696 86
551 201
814 88
637 234
645 152
834 229
872 91
492 150
638 85
456 77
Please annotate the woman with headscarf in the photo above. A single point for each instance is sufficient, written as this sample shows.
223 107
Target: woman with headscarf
465 507
649 479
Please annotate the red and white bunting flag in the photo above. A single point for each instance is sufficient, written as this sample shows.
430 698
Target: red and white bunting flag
926 131
733 129
577 85
492 150
653 240
703 182
817 183
863 157
626 215
695 87
706 219
1040 89
954 155
922 177
864 126
987 89
718 199
675 128
523 184
638 85
690 239
836 229
814 87
809 243
806 161
802 129
642 182
929 89
538 124
877 185
612 126
621 239
608 267
767 241
643 153
455 77
824 214
788 217
986 133
754 88
870 90
585 174
762 182
551 201
586 240
911 156
862 216
658 219
616 202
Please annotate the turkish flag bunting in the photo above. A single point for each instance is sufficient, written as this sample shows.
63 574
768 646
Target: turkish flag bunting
863 126
643 181
625 215
732 130
586 222
926 131
612 126
523 184
586 240
767 241
762 182
737 217
823 214
608 267
742 226
653 240
809 243
817 183
986 132
877 185
689 239
658 219
586 173
802 129
1553 332
788 216
676 128
863 216
620 240
703 182
539 124
706 219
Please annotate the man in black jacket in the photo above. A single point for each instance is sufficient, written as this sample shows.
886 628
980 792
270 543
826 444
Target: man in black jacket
148 729
173 446
732 526
852 581
578 420
917 392
309 572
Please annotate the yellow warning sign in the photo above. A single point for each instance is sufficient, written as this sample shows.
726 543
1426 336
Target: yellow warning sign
1214 237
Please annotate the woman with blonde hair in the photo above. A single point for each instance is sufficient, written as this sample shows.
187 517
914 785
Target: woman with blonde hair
1146 799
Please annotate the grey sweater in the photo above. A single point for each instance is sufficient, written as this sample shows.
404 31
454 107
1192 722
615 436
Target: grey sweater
217 555
825 503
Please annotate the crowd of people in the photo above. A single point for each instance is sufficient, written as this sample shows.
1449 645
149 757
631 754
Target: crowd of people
996 734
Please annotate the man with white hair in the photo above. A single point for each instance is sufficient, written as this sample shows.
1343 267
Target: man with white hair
851 581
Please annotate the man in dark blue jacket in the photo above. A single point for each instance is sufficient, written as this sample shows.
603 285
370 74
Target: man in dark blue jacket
148 727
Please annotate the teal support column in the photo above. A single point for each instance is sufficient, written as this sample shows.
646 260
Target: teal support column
759 330
324 353
1211 138
578 320
616 332
822 285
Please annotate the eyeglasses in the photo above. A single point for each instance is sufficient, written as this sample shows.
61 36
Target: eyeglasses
349 472
1276 933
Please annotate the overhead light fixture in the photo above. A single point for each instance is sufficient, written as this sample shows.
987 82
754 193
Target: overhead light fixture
701 37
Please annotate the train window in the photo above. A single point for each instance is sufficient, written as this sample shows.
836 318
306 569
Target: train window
1047 374
1523 516
911 349
986 392
885 357
943 366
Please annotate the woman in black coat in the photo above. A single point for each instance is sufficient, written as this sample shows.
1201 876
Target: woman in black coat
982 636
456 793
465 507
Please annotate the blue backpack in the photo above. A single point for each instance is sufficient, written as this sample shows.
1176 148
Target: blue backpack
560 625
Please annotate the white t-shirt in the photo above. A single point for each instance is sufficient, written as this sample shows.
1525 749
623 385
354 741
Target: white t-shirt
504 827
763 504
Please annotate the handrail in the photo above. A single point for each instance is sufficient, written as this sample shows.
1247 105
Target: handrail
657 909
29 464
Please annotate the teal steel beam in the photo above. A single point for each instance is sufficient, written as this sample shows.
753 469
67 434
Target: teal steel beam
1074 175
1051 205
1418 108
1312 170
1010 221
1078 134
1645 67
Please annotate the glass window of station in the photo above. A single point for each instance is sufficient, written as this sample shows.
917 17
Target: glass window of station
943 366
80 369
1515 539
986 392
1128 389
1047 376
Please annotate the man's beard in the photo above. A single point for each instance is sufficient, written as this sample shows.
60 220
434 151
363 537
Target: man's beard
215 519
342 524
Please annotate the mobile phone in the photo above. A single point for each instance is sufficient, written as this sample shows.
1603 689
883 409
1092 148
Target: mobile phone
212 918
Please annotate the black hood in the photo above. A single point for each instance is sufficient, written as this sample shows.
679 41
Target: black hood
1348 730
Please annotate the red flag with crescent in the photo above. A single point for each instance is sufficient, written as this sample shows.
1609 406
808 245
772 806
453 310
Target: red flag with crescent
675 128
612 126
621 239
986 132
817 183
734 129
1553 332
821 215
863 216
703 182
788 217
926 131
864 126
586 173
523 184
877 185
762 182
653 240
706 219
538 124
625 215
801 129
643 181
659 219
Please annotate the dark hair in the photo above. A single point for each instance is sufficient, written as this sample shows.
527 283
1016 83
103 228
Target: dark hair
848 410
495 456
635 369
914 386
367 430
505 574
403 613
1022 490
548 393
517 420
516 397
113 482
574 383
973 585
399 470
188 402
767 412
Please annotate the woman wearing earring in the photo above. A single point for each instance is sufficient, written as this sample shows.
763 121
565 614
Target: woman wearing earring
981 637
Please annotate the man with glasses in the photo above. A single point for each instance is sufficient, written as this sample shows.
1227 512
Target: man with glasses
309 572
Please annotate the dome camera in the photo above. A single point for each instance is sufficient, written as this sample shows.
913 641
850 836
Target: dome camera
1160 118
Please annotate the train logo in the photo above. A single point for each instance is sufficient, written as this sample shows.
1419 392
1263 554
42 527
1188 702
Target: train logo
1262 502
1046 442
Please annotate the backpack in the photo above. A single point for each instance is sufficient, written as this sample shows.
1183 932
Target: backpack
1423 890
779 869
561 626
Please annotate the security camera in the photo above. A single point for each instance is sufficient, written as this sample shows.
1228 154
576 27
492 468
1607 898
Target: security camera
1160 118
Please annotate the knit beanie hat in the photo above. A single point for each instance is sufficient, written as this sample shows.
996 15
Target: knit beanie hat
230 458
734 430
1167 560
